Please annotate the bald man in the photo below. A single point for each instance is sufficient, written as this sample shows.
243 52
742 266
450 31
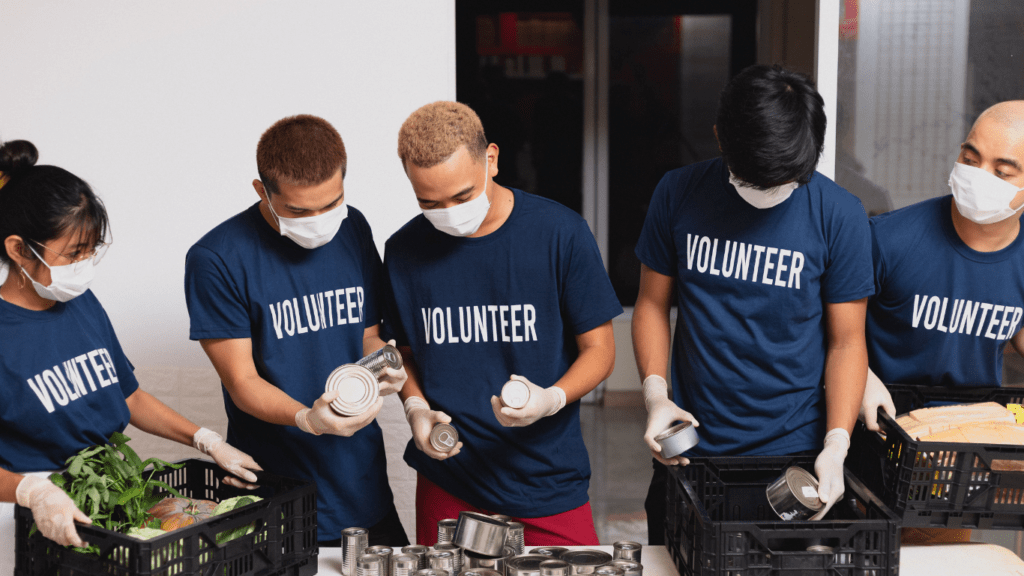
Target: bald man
949 272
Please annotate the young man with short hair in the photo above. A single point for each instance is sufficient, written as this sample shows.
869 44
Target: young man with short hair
279 296
770 264
488 285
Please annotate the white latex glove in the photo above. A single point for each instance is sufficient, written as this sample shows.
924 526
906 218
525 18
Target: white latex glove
662 413
227 457
829 468
421 420
543 402
392 381
875 395
53 510
322 419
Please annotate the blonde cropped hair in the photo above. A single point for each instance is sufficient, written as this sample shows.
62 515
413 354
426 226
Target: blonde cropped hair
431 134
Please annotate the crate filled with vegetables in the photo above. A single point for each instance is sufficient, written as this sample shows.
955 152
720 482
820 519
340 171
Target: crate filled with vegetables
953 458
153 518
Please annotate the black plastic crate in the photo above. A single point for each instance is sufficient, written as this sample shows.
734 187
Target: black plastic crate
942 484
284 540
719 522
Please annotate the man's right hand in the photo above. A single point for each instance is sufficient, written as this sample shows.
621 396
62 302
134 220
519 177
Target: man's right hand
322 419
875 395
54 512
661 414
422 420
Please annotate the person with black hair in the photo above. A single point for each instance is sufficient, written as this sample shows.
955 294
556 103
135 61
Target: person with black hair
65 383
770 264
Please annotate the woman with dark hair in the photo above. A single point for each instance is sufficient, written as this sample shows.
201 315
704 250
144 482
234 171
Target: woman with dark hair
65 383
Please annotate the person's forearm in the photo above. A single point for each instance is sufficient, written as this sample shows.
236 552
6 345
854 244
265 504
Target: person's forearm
412 385
372 343
651 338
595 362
151 415
9 485
846 372
261 399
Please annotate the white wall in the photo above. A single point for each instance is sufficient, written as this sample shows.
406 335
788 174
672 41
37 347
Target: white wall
159 105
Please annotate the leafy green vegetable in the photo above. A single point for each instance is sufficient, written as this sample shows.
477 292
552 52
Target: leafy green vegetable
234 504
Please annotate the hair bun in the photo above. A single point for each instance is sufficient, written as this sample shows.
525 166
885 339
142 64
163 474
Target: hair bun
16 156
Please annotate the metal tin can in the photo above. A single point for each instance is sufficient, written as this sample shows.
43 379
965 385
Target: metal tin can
456 554
515 394
677 439
552 551
525 565
446 529
502 517
432 572
629 567
481 572
515 536
386 357
627 550
370 565
482 561
481 534
359 389
585 561
353 542
404 565
442 560
443 438
794 495
385 553
554 567
608 570
821 548
419 552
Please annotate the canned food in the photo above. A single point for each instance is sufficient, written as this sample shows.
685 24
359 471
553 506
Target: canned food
552 551
525 565
404 565
446 529
554 567
515 394
501 517
481 561
515 536
585 561
370 565
442 560
677 439
482 534
357 386
482 572
353 542
626 550
794 495
629 567
377 362
419 552
432 572
456 554
443 438
384 552
609 571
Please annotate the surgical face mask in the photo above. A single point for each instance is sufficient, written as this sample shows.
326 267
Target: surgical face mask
981 196
312 231
763 198
66 282
462 219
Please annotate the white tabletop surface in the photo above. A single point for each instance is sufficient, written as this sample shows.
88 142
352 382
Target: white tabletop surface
939 560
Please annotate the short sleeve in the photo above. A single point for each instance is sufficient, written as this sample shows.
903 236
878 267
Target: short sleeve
656 247
587 299
849 274
372 272
391 326
216 306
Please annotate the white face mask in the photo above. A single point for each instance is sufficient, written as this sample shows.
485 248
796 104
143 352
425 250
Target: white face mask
763 198
462 219
66 282
312 231
981 196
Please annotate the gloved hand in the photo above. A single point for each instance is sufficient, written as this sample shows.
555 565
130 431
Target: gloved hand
227 457
661 414
54 512
875 395
322 419
543 402
829 468
422 419
392 381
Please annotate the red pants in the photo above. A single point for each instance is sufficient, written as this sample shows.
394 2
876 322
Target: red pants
572 528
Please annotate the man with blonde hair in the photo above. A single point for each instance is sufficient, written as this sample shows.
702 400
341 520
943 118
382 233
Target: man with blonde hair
492 285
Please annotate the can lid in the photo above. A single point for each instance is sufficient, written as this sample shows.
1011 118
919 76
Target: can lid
672 431
354 531
626 545
515 394
526 562
392 356
551 551
379 550
358 389
804 486
444 437
586 557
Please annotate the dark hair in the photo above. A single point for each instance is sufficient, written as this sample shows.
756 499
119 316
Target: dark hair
301 150
40 203
771 126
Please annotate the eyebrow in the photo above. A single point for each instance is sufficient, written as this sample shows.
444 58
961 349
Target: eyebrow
298 209
1008 161
462 192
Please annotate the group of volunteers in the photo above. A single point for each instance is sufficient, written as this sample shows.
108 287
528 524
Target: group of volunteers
787 293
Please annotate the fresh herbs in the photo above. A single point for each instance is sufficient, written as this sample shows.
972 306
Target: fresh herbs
110 483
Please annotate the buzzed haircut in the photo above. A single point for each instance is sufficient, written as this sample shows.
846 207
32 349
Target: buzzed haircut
431 134
301 150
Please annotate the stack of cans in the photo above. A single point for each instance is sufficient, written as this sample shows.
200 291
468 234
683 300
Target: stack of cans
515 536
384 552
456 554
404 565
353 542
420 552
442 560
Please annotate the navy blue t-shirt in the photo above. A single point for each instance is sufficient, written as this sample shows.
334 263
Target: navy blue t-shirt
64 382
477 310
305 311
748 356
943 312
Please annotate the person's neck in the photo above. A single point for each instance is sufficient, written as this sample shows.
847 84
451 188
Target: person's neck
19 291
985 237
502 201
